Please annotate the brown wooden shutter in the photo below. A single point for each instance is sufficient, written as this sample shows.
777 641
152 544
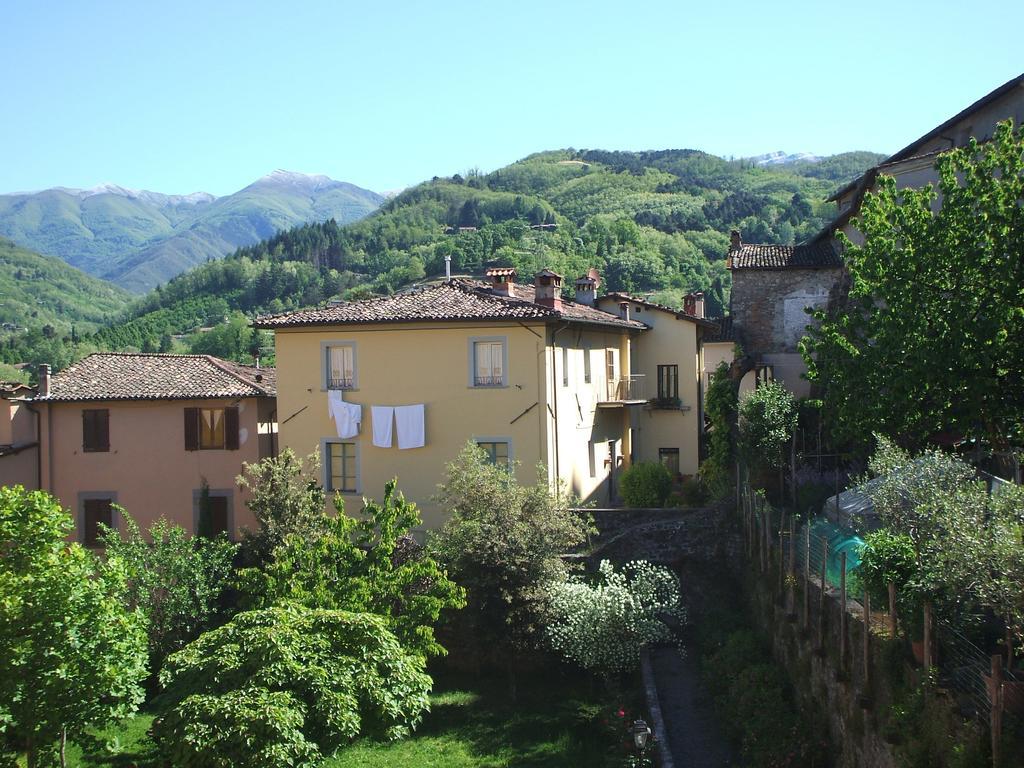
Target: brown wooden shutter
191 429
88 424
102 430
95 430
231 428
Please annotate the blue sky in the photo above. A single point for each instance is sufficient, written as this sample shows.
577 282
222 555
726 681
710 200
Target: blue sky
185 96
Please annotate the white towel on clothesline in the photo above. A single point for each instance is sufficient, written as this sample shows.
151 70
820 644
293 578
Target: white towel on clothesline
383 418
409 419
346 416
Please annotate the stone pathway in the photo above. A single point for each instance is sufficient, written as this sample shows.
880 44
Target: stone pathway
695 740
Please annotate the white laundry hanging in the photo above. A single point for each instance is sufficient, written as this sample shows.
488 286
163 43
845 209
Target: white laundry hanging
383 418
409 419
347 416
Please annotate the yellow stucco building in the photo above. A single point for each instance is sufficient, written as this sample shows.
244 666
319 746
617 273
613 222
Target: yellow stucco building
396 386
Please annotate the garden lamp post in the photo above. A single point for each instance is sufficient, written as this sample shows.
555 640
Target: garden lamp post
640 733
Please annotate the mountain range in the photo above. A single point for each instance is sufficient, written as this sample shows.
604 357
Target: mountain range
139 239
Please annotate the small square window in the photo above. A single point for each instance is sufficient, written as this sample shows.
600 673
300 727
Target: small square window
213 517
670 458
488 363
668 382
94 513
211 428
340 370
498 451
341 467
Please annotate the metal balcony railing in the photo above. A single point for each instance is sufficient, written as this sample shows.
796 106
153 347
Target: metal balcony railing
627 389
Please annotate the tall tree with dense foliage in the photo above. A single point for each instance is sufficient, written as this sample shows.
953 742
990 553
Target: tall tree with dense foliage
504 543
286 498
720 404
767 418
72 655
175 579
931 341
369 564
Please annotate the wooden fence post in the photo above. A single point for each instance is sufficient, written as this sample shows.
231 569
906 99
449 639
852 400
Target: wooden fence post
821 597
927 636
867 644
995 685
892 610
843 624
782 556
791 580
766 516
807 576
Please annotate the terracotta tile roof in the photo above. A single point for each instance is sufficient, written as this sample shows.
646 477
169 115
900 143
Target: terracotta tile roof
725 333
116 376
815 255
12 389
455 301
680 314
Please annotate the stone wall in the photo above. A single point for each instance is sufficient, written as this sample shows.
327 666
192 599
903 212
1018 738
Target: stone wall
767 305
664 536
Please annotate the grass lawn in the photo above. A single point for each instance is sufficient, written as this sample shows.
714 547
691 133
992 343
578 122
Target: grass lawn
472 724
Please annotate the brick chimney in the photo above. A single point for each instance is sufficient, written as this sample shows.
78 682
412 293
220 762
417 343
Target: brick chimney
693 304
44 381
586 287
502 280
735 240
548 287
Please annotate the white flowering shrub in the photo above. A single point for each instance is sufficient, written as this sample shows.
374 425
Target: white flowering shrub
602 625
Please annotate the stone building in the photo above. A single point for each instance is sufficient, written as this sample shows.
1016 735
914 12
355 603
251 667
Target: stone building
773 287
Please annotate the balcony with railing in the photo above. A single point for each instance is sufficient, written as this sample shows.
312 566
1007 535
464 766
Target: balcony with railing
625 390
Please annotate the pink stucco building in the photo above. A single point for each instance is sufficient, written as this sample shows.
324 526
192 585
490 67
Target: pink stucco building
143 432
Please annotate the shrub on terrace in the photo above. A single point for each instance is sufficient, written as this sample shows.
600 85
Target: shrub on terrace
647 484
602 625
286 685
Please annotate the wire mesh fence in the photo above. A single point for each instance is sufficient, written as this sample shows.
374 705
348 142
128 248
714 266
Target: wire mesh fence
812 566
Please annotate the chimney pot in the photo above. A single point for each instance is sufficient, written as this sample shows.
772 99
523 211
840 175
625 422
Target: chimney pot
586 288
698 305
502 280
44 380
735 240
624 309
548 289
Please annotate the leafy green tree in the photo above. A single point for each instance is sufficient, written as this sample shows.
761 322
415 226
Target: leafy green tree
369 564
767 418
720 406
504 543
286 686
286 498
71 654
174 579
932 338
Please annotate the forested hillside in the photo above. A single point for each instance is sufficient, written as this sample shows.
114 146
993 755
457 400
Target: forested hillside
43 291
139 239
655 222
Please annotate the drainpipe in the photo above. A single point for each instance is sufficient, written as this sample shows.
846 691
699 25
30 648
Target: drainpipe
625 371
554 397
39 447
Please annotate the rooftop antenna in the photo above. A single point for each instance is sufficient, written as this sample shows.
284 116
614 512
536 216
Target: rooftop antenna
448 268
